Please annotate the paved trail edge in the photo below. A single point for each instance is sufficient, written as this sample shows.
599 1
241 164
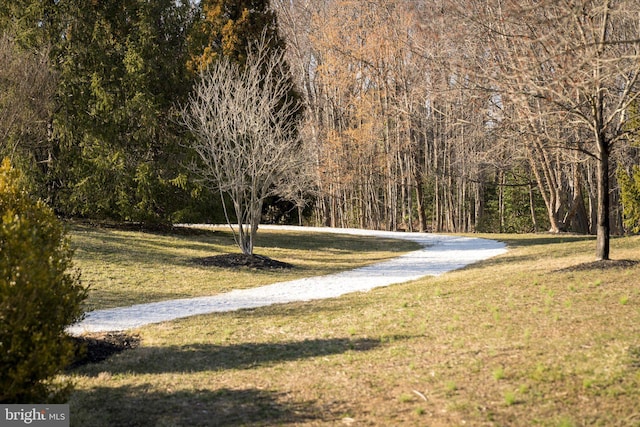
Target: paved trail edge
439 254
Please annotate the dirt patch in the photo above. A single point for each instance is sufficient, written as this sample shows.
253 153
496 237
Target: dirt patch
94 348
601 265
257 262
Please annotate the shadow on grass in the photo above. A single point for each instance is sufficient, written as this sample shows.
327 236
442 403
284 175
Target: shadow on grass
331 242
138 406
211 357
143 247
153 248
516 240
541 247
108 298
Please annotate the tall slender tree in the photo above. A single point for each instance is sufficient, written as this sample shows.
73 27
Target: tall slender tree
581 62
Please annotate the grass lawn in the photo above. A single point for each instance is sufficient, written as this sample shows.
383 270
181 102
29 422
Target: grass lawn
520 339
125 267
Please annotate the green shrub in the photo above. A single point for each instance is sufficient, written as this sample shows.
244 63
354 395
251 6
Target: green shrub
630 195
39 298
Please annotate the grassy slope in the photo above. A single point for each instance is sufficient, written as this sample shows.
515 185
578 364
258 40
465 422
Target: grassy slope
509 341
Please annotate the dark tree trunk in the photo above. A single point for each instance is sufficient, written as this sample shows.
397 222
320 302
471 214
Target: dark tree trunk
422 217
603 228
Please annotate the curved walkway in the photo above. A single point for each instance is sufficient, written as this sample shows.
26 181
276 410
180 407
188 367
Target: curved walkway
439 254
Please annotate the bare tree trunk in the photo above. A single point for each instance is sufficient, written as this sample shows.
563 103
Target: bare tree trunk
501 203
479 206
532 207
603 228
576 217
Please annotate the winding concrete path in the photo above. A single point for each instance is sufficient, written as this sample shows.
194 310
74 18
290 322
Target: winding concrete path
439 254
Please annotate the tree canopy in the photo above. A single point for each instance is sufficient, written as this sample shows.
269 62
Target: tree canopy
447 116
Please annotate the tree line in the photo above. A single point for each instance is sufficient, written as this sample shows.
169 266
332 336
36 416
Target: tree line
442 115
91 97
454 115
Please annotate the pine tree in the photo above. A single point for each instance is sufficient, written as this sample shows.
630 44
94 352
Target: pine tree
31 22
122 70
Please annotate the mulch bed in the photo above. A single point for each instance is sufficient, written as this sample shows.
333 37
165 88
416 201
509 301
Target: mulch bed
257 262
601 265
94 348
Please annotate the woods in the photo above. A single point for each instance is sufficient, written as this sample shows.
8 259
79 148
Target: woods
447 115
570 65
467 116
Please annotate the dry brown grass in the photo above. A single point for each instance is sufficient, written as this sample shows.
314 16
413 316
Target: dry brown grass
515 340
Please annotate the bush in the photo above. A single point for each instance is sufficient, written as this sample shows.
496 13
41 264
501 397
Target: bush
39 298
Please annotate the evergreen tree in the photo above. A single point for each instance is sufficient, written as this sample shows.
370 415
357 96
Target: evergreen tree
629 176
630 197
32 22
122 70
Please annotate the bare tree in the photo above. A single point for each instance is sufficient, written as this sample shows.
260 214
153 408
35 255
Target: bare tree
578 60
244 122
27 86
